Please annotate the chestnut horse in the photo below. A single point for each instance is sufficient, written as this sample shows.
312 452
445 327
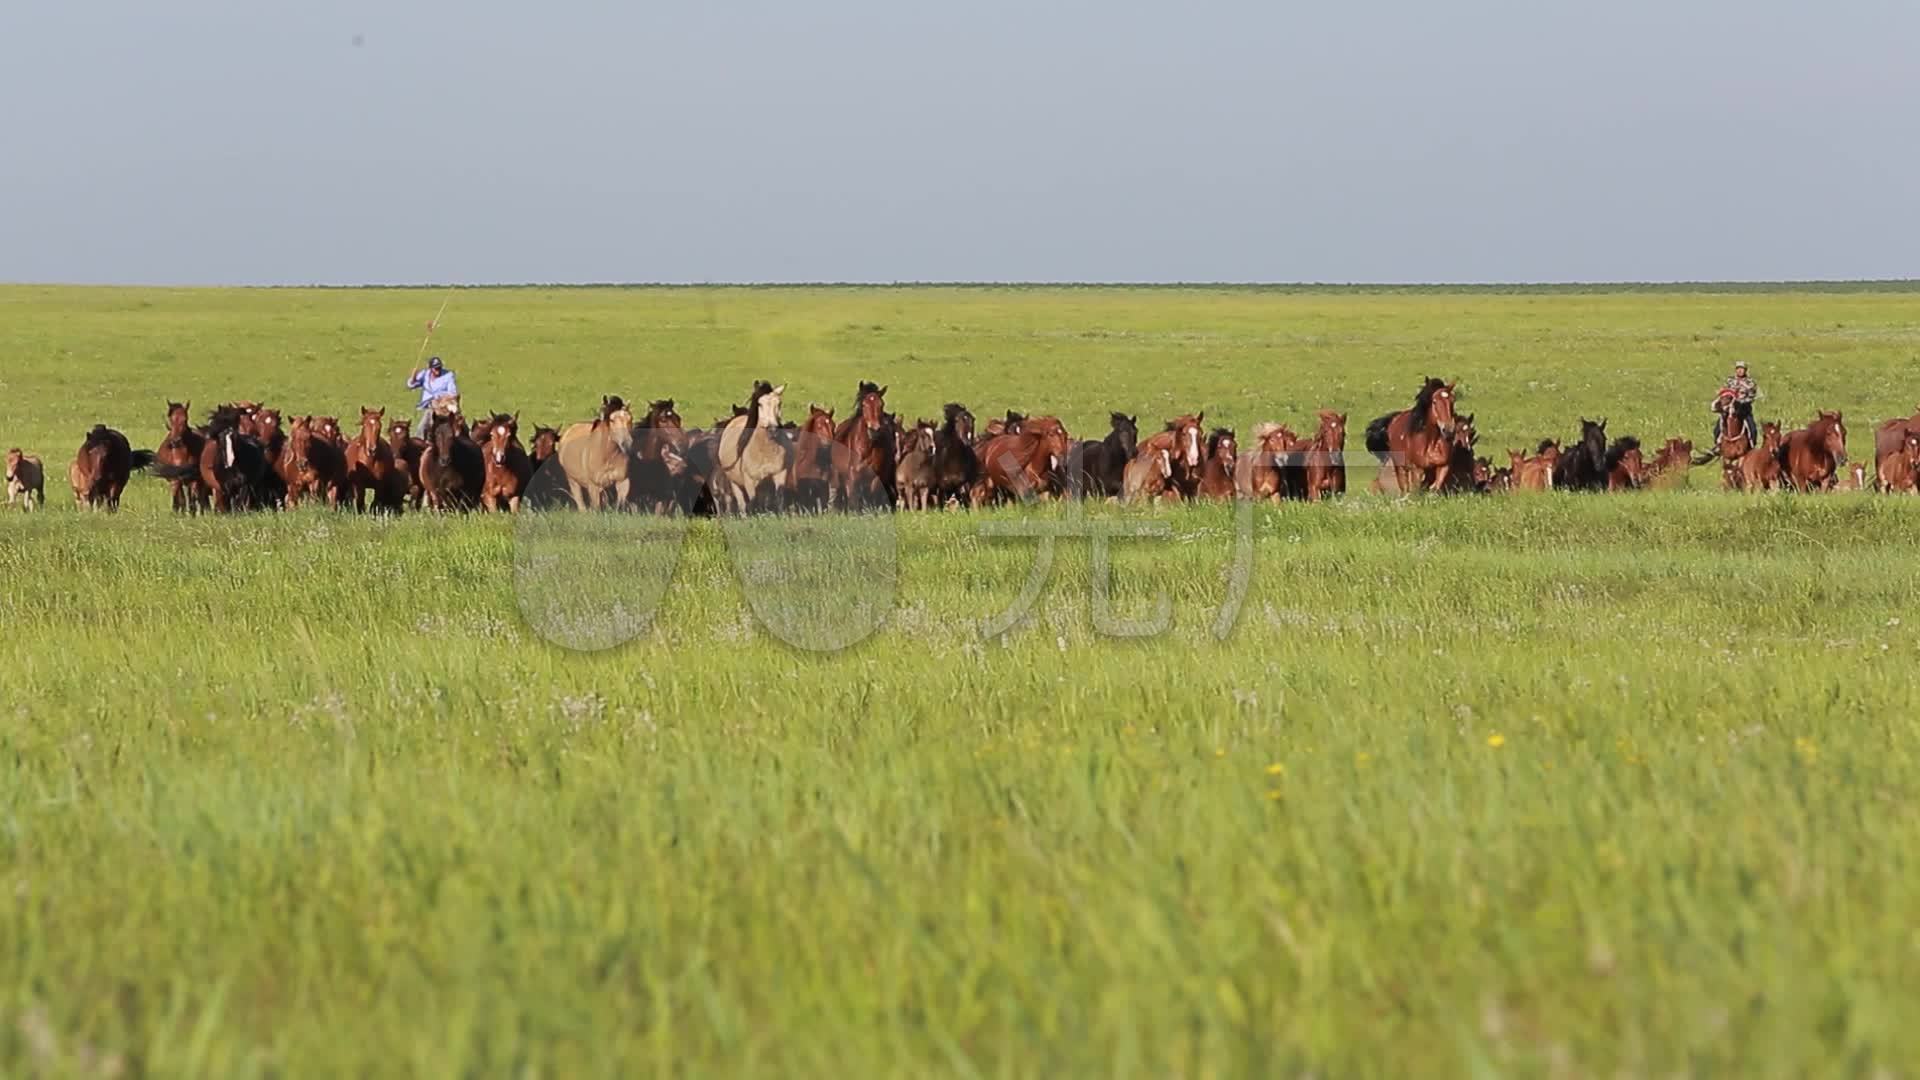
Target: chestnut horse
1022 465
1185 443
1889 436
1536 473
1814 455
1216 474
1626 466
1264 473
863 474
179 455
313 465
815 471
1417 443
370 466
508 468
1147 475
1898 467
1759 468
1322 460
1672 460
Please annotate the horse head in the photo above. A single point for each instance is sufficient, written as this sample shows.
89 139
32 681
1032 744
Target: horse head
370 420
1125 434
500 438
767 405
870 402
1222 447
1187 438
1835 434
1333 429
959 421
178 416
300 440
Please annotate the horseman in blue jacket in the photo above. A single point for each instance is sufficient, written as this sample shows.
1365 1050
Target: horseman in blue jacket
435 381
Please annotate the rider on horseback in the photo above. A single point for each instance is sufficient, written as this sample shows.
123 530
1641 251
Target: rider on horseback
1736 399
438 391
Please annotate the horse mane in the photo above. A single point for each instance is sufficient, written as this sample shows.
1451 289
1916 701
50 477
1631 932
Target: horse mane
1423 401
1121 420
1542 448
223 418
865 389
1213 440
955 411
1621 447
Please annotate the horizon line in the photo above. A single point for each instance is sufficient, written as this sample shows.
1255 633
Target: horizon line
1757 284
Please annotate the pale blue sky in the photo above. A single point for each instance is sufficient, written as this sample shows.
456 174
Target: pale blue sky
251 141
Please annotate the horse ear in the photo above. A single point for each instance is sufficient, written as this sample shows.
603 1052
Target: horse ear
1201 415
883 391
781 389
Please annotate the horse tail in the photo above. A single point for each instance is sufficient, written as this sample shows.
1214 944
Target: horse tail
140 459
1377 433
176 472
1702 459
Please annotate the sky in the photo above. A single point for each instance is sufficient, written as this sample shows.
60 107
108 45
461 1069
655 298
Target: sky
471 142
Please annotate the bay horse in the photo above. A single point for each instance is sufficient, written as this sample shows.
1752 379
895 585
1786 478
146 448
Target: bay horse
913 477
1889 436
1184 441
508 468
1672 460
815 471
179 455
1759 468
1417 443
1147 475
1897 468
1098 468
548 488
752 461
1536 473
233 470
956 466
1583 466
370 466
1322 460
1626 466
595 456
452 468
272 439
864 474
313 465
26 480
101 468
1814 455
1216 474
1462 471
659 458
406 451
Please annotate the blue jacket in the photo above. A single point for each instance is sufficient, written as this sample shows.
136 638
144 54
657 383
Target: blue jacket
432 386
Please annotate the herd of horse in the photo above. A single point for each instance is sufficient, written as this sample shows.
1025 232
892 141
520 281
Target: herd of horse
246 456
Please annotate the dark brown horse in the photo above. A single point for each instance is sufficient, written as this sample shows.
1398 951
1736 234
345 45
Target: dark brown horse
1889 436
819 460
370 467
179 455
956 465
1099 467
407 452
1216 473
101 468
1897 468
1583 465
1814 456
508 468
659 459
452 468
313 465
1417 443
1322 460
913 476
1262 472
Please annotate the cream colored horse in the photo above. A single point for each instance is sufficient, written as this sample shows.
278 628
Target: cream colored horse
752 451
594 458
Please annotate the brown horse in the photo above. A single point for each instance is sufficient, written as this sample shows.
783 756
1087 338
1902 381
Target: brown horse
1147 476
1890 435
1814 455
1417 443
1671 460
1184 440
406 451
1626 465
26 480
1216 473
595 456
1535 473
1323 458
1262 474
816 473
1898 467
859 473
508 468
101 468
913 478
179 455
1011 424
370 466
1021 466
1759 468
956 465
313 465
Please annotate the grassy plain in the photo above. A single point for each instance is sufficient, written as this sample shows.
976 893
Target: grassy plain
1557 785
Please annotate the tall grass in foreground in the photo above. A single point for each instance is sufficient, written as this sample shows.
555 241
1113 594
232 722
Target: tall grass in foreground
1563 784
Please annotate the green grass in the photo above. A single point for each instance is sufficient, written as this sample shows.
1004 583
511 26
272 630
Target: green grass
306 793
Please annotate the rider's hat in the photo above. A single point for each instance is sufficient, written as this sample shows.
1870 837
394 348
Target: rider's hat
436 365
1738 365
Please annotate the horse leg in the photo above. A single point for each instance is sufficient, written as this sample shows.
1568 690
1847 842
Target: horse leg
1439 478
578 491
621 488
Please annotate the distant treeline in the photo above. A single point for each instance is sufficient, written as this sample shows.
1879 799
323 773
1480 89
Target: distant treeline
1514 288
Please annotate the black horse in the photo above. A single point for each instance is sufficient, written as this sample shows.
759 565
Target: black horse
955 466
1583 464
1096 467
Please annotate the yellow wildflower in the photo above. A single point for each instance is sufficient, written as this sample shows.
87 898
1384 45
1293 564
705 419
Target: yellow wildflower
1496 740
1276 769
